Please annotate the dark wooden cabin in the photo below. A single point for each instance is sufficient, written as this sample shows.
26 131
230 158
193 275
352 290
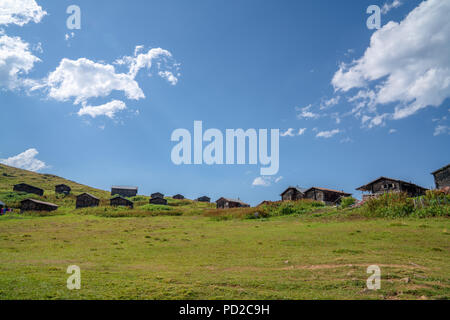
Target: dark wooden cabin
86 200
327 196
157 195
121 201
62 189
225 203
385 185
293 194
178 197
23 187
36 205
203 199
442 177
160 201
124 191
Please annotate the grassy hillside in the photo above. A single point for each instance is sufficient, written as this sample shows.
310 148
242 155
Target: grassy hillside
9 176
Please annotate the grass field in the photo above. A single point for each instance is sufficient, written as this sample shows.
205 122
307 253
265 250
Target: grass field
190 251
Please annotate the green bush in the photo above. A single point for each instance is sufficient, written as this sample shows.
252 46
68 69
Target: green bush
347 202
399 205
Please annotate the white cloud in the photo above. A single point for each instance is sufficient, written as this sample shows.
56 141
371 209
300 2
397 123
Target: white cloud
392 131
20 12
108 109
288 133
265 181
261 182
408 60
292 133
26 160
378 120
327 134
15 60
83 79
306 113
329 103
441 129
168 76
142 60
389 6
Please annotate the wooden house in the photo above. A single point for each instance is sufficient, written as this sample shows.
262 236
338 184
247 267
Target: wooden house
442 177
203 199
385 185
293 194
225 203
23 187
327 196
36 205
86 200
157 195
160 201
121 201
124 191
178 197
62 189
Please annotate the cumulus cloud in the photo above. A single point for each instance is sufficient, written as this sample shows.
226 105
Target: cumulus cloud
20 12
108 109
408 62
301 131
83 79
25 160
16 59
327 134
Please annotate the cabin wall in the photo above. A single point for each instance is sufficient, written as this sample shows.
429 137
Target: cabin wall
123 192
442 178
291 195
86 202
28 189
33 206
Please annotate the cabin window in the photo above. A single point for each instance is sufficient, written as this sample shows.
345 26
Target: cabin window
388 186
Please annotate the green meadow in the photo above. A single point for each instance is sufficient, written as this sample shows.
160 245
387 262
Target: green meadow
189 250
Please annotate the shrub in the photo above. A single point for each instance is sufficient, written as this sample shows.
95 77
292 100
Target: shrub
347 202
390 205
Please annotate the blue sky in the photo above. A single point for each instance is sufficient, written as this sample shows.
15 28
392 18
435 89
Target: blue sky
366 108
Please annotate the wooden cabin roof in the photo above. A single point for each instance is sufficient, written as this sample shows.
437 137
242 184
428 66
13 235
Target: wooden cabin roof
367 187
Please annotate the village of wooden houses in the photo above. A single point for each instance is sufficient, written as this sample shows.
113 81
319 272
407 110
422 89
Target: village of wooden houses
120 195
